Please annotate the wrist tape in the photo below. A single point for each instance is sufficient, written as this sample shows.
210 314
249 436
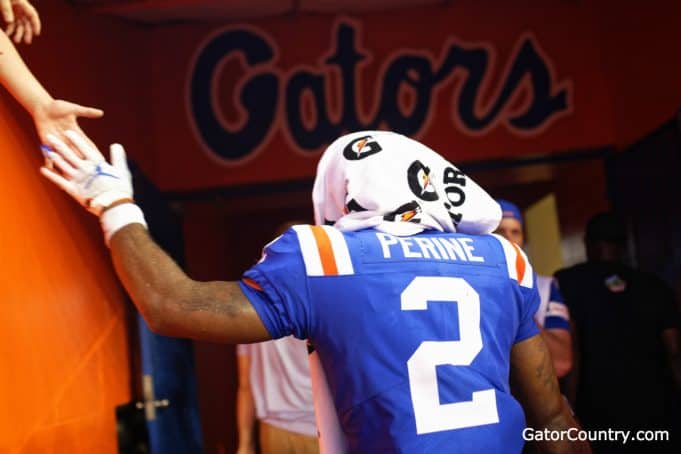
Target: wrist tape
117 217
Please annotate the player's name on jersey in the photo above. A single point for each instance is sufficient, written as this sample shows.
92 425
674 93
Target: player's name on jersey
428 247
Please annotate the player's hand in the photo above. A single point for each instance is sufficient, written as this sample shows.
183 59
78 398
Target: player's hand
57 116
22 19
91 180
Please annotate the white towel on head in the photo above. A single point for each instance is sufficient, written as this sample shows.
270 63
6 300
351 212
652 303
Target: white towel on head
397 185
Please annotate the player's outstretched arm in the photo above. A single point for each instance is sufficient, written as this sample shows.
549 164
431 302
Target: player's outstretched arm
535 384
171 302
175 305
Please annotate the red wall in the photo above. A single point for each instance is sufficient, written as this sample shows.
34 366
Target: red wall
616 61
574 63
640 54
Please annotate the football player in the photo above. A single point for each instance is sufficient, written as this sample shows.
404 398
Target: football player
418 328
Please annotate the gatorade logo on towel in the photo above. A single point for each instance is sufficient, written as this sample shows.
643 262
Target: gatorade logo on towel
361 148
418 176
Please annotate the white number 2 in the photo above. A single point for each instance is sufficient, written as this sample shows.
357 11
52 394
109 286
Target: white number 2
431 416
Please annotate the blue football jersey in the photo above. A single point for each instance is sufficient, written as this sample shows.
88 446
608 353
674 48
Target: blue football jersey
414 333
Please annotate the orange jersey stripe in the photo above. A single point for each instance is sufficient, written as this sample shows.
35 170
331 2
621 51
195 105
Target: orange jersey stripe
519 262
252 284
325 250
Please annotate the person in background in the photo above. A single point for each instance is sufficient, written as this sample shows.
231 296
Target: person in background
275 390
628 373
51 116
552 317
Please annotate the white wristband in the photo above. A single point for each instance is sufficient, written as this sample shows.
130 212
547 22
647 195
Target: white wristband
118 217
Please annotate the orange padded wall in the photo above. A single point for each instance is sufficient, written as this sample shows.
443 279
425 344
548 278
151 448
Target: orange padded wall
64 362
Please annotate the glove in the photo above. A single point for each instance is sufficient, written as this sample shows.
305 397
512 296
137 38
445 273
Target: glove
92 181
